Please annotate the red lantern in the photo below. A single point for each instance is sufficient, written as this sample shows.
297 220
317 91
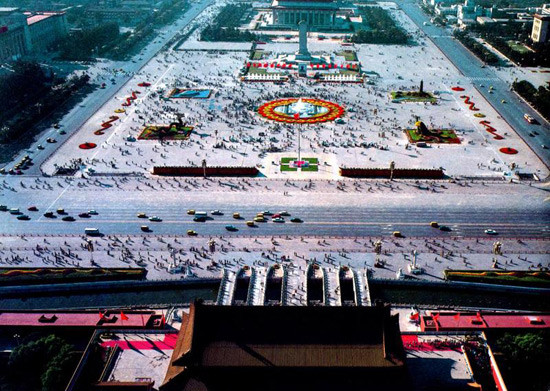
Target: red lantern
248 65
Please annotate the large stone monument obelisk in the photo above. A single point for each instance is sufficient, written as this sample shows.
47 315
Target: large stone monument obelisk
302 53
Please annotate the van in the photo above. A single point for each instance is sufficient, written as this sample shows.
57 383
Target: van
200 214
91 231
3 208
14 211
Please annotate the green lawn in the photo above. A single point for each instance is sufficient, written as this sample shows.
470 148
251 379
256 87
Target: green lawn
286 167
348 55
411 96
518 48
310 169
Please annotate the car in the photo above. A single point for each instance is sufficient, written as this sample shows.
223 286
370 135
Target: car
284 213
3 208
49 215
250 223
434 224
503 101
544 146
68 218
62 132
231 228
191 211
530 119
40 147
278 220
296 220
155 218
276 215
92 212
397 234
145 228
142 215
236 215
60 211
445 228
491 232
51 140
190 232
84 215
32 209
23 217
216 212
260 219
56 126
199 219
267 213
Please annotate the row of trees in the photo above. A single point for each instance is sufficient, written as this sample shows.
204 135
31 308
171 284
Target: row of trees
27 95
500 34
524 359
475 47
539 98
106 40
225 25
45 364
88 43
381 28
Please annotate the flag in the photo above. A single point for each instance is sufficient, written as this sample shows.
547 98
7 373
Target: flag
456 316
101 315
435 317
163 320
296 115
478 316
123 316
414 316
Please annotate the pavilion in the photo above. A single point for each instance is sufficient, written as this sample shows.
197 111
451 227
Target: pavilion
287 348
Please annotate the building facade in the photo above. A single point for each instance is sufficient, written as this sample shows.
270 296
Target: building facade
541 27
317 13
45 28
14 35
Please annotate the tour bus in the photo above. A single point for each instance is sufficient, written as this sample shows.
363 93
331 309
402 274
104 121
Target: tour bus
91 231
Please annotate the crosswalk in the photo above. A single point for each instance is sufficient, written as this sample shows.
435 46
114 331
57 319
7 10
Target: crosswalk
481 78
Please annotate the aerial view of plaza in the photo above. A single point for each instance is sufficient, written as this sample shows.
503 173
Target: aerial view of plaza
274 195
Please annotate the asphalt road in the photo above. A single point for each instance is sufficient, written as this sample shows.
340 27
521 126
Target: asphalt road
78 115
471 67
120 217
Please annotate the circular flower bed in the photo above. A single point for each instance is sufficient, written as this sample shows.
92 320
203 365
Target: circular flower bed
87 146
329 111
508 150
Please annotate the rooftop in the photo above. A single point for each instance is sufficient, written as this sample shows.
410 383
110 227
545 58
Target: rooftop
481 321
35 18
107 319
260 340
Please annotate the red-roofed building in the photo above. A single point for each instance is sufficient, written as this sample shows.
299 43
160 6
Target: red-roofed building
45 28
468 321
80 319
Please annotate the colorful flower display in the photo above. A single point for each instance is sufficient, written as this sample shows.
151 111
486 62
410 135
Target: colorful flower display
330 111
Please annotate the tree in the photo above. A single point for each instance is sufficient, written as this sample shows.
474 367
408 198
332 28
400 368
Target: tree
46 361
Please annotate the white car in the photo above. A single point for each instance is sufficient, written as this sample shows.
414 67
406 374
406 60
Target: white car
155 218
491 232
216 212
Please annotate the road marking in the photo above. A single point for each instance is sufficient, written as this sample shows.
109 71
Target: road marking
329 223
